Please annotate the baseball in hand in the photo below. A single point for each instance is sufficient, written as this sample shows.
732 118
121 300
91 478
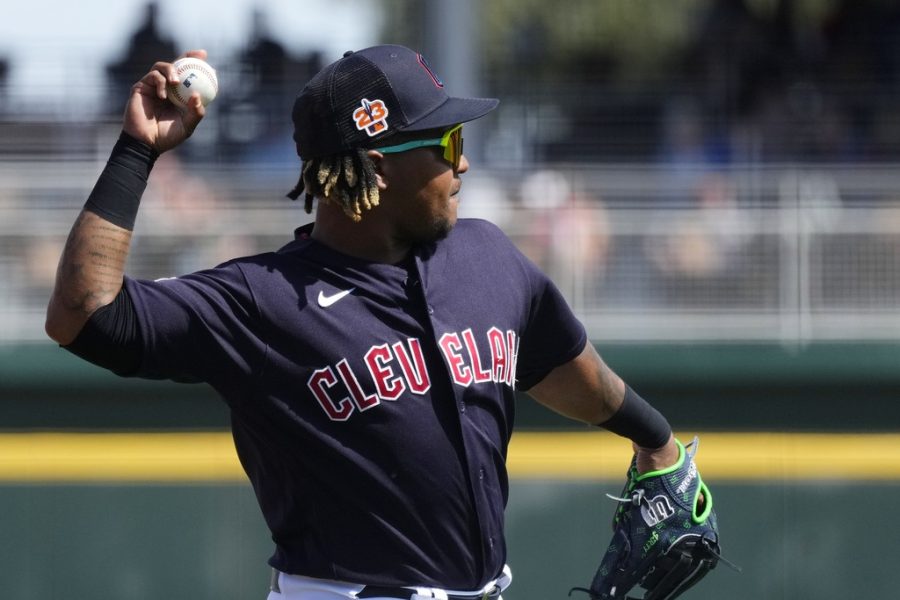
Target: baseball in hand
194 75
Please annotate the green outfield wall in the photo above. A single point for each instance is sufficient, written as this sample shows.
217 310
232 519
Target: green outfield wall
109 542
113 488
823 386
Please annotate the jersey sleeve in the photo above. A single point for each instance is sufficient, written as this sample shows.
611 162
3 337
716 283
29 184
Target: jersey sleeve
200 327
552 334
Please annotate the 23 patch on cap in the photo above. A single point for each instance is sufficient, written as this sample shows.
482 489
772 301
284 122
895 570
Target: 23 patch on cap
371 116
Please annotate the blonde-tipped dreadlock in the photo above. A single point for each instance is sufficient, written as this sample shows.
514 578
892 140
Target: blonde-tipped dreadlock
344 179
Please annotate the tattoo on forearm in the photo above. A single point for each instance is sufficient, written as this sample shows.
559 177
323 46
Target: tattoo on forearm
92 264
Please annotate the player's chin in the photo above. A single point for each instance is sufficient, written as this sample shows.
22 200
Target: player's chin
436 229
441 222
443 227
449 220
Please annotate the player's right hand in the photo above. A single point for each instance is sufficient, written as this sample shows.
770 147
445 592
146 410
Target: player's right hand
151 118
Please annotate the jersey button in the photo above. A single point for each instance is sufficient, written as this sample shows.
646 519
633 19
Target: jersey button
462 407
430 310
481 473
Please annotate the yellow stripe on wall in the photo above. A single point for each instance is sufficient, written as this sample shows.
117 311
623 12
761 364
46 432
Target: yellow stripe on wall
210 457
108 457
722 456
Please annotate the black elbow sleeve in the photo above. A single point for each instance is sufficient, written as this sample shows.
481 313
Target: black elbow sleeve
111 338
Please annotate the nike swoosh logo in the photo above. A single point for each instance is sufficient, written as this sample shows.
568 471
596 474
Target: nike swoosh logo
326 301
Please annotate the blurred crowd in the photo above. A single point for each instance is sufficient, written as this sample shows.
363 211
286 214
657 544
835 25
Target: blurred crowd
745 81
751 81
257 93
750 86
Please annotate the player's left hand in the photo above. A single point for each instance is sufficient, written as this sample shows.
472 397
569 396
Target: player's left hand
655 459
151 118
665 535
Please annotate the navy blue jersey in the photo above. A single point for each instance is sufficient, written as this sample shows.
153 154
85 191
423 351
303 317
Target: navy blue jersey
371 404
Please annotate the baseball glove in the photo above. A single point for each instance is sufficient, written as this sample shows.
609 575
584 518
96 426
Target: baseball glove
665 536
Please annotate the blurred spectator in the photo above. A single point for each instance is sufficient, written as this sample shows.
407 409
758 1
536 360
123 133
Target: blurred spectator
861 42
789 84
736 65
700 244
4 75
267 61
687 148
733 58
39 266
861 63
568 233
185 215
698 255
146 46
254 113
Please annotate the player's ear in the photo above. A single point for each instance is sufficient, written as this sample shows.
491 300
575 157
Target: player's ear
382 169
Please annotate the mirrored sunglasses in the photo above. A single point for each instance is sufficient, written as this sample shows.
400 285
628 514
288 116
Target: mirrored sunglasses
451 142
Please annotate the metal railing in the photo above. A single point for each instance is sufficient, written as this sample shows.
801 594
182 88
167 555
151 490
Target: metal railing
642 253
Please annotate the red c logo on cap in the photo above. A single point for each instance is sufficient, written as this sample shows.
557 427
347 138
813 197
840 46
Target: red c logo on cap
437 80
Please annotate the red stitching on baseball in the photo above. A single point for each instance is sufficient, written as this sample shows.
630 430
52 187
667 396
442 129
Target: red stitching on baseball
196 65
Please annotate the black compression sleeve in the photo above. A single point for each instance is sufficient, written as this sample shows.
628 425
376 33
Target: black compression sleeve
111 338
639 422
118 190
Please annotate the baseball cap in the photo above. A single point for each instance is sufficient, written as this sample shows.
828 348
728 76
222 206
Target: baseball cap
371 94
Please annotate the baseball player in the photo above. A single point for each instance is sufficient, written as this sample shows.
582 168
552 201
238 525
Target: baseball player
370 364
